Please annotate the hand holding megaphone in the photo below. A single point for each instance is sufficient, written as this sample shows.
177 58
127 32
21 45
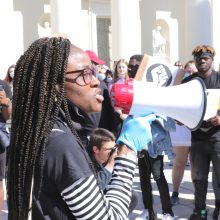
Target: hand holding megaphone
136 132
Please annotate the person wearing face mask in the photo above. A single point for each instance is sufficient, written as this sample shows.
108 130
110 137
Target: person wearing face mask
104 74
10 76
101 76
102 70
133 65
109 78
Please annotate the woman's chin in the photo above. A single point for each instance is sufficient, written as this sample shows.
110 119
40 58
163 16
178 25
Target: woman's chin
95 109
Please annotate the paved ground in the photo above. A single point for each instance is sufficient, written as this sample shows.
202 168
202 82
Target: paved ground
182 211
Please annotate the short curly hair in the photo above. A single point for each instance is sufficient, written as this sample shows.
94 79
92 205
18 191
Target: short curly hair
203 49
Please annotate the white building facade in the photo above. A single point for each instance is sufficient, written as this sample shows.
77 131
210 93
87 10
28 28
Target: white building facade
114 29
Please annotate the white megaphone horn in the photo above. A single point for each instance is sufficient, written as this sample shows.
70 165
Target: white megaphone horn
185 103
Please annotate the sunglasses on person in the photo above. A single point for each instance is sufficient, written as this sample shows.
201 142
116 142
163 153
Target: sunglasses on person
84 78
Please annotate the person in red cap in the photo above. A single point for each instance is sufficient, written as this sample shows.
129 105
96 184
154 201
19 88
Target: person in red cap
98 65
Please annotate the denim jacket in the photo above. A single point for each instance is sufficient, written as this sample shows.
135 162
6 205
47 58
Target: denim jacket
161 141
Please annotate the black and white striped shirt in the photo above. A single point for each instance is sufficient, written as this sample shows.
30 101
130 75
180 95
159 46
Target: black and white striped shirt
70 189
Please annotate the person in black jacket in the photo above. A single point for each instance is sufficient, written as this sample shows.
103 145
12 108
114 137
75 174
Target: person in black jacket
205 140
50 174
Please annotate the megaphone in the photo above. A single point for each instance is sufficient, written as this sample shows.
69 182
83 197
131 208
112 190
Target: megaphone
185 103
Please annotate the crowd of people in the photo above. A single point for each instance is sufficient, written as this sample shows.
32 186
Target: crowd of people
72 155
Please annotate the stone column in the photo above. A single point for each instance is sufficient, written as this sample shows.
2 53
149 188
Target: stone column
216 31
125 26
11 38
66 19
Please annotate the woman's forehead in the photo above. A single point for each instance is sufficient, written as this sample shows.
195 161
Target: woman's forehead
78 57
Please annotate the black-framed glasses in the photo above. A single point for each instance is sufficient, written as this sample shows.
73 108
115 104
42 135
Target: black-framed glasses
110 149
84 78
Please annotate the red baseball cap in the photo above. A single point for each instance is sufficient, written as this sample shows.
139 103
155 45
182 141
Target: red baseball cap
94 58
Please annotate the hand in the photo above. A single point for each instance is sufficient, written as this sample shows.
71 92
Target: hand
123 116
136 132
215 121
111 160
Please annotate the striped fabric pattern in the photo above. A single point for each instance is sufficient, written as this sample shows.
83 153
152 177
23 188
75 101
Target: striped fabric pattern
87 201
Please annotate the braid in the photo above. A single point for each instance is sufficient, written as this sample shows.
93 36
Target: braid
36 104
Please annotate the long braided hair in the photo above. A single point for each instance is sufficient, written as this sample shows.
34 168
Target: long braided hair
36 104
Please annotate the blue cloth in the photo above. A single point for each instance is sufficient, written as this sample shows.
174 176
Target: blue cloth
161 141
168 123
104 177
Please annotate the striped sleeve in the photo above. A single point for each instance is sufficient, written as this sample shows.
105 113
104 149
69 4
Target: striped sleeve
86 200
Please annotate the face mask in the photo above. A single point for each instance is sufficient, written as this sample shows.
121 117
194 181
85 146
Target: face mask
101 76
11 74
109 79
133 70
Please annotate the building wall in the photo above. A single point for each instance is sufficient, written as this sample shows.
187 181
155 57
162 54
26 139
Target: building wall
184 23
198 25
31 12
189 24
11 38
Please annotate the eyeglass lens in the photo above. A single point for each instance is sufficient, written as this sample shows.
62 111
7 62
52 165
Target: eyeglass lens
84 78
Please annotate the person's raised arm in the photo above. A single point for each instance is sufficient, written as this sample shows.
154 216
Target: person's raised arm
85 198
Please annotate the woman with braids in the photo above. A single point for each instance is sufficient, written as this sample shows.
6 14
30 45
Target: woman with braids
50 175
